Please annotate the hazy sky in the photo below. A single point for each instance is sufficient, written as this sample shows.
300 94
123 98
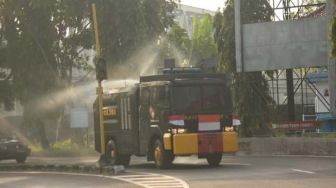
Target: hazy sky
205 4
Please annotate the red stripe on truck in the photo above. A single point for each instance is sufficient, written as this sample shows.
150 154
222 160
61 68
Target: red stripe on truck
208 118
210 143
176 117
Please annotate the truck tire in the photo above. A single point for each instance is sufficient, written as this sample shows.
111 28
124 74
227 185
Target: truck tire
214 159
21 159
113 157
162 158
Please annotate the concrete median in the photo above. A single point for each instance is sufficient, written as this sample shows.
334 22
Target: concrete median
288 146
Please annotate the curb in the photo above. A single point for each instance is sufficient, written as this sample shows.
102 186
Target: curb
255 154
76 168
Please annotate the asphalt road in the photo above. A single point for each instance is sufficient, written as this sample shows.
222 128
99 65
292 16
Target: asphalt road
234 171
253 172
53 180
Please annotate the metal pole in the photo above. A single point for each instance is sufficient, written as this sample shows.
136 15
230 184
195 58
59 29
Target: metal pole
277 84
306 87
278 99
238 37
274 11
100 88
95 24
302 101
290 94
289 72
273 86
87 137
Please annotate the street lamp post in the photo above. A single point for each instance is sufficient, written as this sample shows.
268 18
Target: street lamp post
101 75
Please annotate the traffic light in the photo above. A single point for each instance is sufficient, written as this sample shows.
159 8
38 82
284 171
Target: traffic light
101 73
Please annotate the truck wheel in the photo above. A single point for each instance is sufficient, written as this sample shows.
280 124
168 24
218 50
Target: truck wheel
214 159
111 153
162 158
21 159
113 157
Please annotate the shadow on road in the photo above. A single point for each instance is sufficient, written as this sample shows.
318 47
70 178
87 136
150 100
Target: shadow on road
179 166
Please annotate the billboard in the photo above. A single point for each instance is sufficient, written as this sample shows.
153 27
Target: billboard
284 45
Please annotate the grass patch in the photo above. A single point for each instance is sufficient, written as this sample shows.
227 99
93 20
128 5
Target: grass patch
65 148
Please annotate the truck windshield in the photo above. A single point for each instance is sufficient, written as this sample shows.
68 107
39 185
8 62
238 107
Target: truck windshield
192 99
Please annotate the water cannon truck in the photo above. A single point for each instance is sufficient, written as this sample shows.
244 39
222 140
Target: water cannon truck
180 112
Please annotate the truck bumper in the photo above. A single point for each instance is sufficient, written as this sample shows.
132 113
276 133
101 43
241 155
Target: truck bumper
202 143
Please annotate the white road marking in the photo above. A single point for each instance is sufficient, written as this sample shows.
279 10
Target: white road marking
146 180
12 179
236 164
303 171
307 156
149 180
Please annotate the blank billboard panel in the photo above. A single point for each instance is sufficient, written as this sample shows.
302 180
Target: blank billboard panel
284 45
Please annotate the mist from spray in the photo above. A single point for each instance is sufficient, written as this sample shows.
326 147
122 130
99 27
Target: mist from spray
142 62
181 60
114 86
11 130
124 75
47 104
145 61
59 98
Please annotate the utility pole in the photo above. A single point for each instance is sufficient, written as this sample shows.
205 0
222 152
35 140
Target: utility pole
289 72
99 68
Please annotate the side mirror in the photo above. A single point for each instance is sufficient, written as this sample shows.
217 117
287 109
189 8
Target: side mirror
101 72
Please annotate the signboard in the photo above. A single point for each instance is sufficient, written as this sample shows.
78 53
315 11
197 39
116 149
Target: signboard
297 125
284 45
110 114
79 118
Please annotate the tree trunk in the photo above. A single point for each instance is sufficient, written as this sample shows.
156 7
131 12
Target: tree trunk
42 135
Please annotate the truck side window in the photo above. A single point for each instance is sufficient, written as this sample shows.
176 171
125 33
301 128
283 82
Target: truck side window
163 96
144 95
153 95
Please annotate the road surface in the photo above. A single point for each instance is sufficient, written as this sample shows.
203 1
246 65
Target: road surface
253 172
234 172
54 180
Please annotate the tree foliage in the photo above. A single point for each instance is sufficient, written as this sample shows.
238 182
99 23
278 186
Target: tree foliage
204 46
175 44
126 26
332 35
44 39
250 90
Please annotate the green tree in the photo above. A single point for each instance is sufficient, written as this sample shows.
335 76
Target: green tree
332 34
204 46
44 39
251 96
6 89
126 26
175 44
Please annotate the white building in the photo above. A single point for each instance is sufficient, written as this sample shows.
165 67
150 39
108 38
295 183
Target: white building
184 16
